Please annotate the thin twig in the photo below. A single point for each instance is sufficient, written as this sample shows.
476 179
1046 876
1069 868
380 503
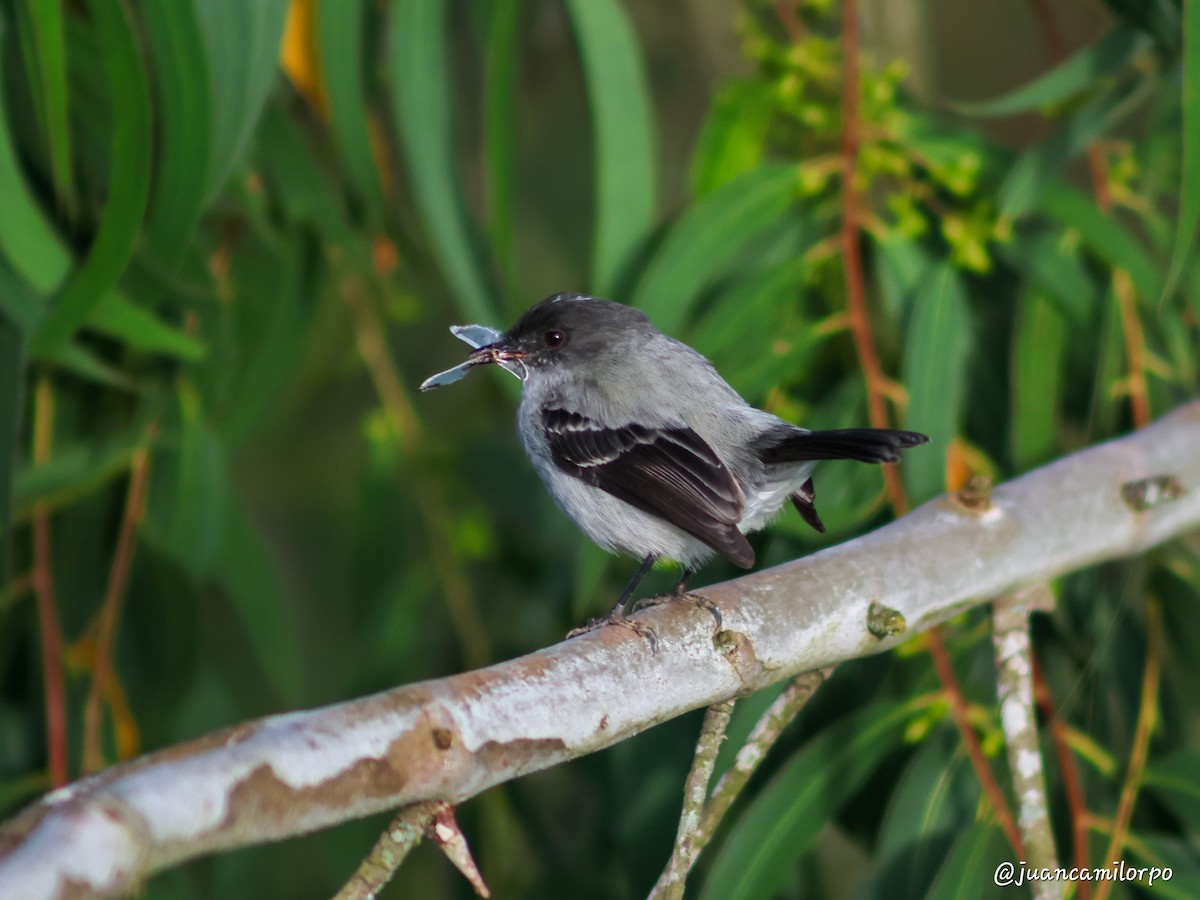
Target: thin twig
432 819
1014 670
1072 787
864 343
43 585
103 674
1146 720
762 738
398 839
1131 325
712 733
385 376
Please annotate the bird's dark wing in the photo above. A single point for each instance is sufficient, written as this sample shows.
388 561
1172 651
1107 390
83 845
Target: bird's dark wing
671 473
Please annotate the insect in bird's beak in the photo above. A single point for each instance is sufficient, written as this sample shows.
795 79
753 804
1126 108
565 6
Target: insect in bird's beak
485 339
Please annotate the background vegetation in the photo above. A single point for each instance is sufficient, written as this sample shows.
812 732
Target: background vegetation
232 235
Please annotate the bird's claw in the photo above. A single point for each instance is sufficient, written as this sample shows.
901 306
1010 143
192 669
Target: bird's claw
641 629
696 599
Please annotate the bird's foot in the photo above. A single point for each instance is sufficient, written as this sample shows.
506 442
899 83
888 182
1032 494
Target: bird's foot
695 599
617 617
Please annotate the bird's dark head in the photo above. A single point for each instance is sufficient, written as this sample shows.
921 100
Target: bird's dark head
566 328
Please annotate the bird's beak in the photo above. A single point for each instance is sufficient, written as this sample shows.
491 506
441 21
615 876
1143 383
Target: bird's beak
495 353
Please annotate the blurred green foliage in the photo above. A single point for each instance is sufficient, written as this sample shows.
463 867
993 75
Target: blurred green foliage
237 275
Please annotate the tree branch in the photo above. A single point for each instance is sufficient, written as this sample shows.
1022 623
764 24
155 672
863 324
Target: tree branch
453 738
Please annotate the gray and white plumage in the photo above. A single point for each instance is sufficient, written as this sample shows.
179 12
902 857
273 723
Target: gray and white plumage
646 447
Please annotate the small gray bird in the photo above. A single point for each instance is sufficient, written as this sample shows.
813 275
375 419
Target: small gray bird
646 447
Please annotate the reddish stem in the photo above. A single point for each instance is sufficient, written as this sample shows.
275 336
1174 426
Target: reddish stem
110 610
43 586
864 342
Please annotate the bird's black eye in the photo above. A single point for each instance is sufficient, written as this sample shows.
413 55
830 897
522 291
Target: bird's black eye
555 338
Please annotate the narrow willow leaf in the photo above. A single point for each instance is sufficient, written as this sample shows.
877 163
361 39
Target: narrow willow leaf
74 471
340 47
268 329
419 73
971 866
1110 358
500 143
708 238
623 131
1035 168
1103 234
1176 781
301 187
935 364
1038 364
27 241
119 317
184 127
128 181
732 140
778 827
12 391
1189 188
1079 72
1056 265
81 362
903 268
40 25
933 794
242 43
20 307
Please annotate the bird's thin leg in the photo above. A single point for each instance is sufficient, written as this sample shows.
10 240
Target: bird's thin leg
681 586
616 615
618 610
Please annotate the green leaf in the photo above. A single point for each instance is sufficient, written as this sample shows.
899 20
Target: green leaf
499 133
12 391
708 238
40 25
242 43
339 37
903 268
935 364
117 316
1103 235
931 796
26 239
1081 71
185 127
1163 852
300 186
1038 364
420 90
19 305
205 528
971 865
268 327
1189 187
74 471
732 140
1110 357
1176 780
128 181
1053 261
623 135
761 853
1034 168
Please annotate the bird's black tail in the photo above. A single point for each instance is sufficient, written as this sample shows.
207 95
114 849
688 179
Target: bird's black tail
869 445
